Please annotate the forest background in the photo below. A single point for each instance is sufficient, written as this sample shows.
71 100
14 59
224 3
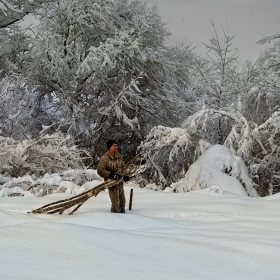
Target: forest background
92 70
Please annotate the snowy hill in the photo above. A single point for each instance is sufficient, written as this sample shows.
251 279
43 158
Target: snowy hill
204 234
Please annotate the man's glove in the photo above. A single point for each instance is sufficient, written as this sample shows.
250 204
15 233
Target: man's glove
114 176
126 178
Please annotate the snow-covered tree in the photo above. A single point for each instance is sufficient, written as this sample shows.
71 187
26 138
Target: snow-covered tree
263 94
106 63
262 97
271 57
13 37
218 73
14 45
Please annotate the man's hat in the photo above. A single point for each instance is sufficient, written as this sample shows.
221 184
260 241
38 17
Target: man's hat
110 143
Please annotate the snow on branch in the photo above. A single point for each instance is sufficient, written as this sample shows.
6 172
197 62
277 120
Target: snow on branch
3 8
179 139
268 39
46 154
4 5
124 98
271 57
161 136
110 54
269 133
240 138
14 191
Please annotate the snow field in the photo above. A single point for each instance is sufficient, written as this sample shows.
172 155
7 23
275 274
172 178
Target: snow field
196 235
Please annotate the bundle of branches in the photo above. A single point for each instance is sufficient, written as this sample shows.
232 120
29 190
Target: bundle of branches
78 200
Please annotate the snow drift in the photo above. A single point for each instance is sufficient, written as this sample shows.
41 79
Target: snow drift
217 166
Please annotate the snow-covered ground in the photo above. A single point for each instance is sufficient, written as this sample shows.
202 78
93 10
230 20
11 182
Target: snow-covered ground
204 234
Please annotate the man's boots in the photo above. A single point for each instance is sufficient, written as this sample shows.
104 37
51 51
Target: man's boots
113 210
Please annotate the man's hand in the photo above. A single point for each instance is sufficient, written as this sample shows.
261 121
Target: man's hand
126 178
114 176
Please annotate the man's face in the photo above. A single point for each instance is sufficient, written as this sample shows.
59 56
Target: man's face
113 149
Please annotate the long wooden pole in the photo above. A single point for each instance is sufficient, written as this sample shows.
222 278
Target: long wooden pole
130 199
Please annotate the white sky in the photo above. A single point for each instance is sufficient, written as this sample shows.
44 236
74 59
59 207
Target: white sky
249 20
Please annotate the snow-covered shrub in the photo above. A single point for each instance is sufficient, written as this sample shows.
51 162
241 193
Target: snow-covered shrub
25 182
217 166
265 156
168 152
261 97
80 176
3 179
72 181
22 114
266 175
268 135
46 154
14 192
72 188
51 159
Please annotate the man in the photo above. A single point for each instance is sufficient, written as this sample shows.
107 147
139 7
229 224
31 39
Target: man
110 164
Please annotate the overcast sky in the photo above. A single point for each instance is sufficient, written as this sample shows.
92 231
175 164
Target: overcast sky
248 20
